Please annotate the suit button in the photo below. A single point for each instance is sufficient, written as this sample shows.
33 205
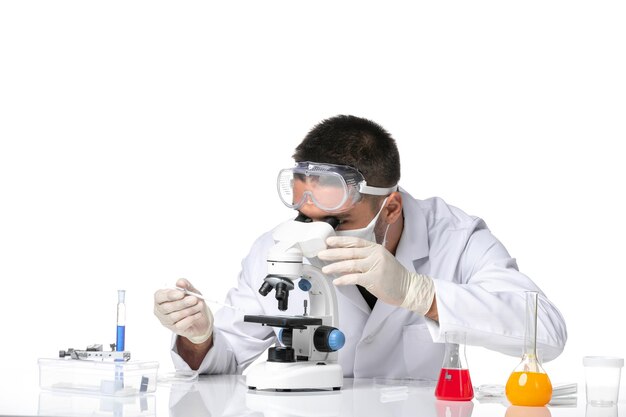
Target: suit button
368 339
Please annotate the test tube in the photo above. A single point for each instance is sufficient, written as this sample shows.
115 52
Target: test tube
121 320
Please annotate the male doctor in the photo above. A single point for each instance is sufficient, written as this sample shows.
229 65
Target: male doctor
407 271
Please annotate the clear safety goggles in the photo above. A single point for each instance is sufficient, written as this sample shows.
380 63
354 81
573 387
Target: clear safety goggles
332 188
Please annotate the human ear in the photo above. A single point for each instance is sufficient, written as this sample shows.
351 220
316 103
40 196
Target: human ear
393 208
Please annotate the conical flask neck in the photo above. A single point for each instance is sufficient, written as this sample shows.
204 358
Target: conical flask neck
530 333
530 363
455 357
530 359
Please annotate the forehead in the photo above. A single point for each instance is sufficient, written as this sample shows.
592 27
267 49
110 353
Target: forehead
302 184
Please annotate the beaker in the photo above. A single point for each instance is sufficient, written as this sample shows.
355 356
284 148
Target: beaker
454 382
529 384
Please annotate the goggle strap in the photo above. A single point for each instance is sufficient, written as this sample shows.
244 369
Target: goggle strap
367 189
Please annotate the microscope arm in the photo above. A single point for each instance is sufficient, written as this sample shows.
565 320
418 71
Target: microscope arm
322 296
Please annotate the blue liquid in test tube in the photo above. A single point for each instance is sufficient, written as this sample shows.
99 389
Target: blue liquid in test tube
119 340
121 320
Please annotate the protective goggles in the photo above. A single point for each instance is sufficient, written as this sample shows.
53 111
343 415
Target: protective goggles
332 188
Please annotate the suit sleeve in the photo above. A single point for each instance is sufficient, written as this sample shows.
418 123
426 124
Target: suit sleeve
486 300
236 343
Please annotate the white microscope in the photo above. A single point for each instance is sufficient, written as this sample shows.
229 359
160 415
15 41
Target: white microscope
307 359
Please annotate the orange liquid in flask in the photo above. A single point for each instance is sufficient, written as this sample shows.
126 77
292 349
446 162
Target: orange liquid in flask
529 385
531 389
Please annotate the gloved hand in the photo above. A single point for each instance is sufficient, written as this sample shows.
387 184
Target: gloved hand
185 315
370 265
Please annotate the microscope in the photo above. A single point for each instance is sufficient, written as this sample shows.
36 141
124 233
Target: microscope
307 357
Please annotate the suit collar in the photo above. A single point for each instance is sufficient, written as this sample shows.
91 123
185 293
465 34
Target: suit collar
413 244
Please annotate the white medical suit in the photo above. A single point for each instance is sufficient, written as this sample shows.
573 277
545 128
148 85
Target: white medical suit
479 291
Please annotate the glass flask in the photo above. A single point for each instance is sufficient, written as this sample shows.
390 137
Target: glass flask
454 382
529 384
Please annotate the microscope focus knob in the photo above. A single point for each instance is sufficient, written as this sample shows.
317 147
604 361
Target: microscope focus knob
328 339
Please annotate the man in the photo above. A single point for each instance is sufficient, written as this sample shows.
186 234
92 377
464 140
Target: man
407 271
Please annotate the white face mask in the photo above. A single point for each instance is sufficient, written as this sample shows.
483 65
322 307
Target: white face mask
366 232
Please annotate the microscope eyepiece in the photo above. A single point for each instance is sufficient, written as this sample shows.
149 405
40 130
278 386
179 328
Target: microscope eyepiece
333 221
303 218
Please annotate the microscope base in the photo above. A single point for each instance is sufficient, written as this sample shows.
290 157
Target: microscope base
294 376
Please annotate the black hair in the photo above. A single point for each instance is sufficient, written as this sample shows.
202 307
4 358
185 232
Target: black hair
354 141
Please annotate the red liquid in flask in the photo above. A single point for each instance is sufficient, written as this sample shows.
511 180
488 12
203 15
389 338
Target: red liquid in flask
454 385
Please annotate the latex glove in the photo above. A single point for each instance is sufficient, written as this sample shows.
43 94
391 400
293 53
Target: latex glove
185 315
370 265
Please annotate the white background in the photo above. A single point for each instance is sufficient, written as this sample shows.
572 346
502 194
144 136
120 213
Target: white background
140 141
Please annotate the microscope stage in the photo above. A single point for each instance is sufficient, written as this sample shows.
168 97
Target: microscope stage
288 322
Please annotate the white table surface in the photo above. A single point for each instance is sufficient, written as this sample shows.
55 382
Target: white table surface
227 395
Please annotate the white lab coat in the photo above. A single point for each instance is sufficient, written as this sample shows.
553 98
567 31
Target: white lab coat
479 292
